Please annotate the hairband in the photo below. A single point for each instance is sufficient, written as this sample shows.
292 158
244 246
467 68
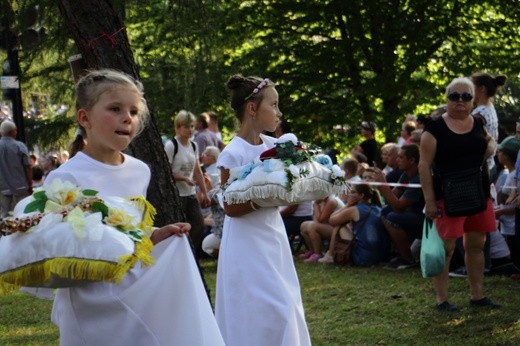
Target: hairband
257 89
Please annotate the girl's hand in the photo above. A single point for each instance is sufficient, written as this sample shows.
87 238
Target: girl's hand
189 181
178 229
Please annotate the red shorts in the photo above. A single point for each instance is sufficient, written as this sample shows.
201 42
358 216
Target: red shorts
455 227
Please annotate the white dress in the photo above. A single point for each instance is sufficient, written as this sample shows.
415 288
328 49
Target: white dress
258 300
164 304
489 114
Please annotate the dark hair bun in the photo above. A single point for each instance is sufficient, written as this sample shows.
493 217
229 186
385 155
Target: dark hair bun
235 81
500 80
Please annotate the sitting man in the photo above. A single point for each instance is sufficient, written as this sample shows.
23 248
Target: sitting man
391 170
402 216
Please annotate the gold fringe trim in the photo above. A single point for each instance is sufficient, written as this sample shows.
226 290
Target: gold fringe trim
35 274
148 213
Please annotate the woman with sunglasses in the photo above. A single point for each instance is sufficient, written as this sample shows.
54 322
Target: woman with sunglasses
362 215
451 143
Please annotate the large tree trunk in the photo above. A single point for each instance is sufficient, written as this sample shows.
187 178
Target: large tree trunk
101 38
102 41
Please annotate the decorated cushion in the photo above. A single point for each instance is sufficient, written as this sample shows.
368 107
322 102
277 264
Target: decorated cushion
289 173
62 236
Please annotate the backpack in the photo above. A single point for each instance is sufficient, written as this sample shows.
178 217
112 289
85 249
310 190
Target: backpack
176 147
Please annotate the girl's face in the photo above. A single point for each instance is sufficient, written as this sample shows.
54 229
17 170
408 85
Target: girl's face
112 122
185 131
354 197
368 176
267 113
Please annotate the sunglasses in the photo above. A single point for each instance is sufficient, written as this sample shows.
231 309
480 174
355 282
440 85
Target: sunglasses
465 97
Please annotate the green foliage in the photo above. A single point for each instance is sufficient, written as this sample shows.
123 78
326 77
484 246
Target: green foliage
335 62
288 153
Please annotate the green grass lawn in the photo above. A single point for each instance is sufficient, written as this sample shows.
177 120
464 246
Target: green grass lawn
343 306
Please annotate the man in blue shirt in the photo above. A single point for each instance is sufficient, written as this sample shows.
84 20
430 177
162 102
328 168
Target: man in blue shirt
403 213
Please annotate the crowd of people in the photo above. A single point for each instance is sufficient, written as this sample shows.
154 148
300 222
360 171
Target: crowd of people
393 188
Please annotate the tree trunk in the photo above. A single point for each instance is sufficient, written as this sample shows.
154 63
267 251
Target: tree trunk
102 41
101 38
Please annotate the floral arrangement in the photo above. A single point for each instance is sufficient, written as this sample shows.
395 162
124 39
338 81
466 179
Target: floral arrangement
302 172
82 209
62 236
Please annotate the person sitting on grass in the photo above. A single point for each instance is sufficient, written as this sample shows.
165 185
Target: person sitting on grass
315 231
362 215
402 216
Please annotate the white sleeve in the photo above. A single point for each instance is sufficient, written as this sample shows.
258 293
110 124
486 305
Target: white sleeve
227 160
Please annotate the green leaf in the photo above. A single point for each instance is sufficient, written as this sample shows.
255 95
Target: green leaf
36 205
89 192
100 207
40 195
136 235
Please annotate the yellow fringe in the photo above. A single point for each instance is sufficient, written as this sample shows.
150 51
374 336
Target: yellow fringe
80 269
148 213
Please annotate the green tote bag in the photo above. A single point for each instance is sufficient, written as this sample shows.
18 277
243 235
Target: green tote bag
433 255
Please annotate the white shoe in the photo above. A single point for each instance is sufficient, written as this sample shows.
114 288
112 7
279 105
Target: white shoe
327 258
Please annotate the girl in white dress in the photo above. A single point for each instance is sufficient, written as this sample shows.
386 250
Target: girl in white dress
258 300
486 86
164 304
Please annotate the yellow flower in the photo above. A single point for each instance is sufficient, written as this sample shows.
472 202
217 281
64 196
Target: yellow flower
118 218
63 192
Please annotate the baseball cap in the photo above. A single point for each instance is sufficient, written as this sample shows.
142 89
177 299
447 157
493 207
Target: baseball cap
509 143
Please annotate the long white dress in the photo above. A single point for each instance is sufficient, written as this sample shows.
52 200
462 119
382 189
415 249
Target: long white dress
164 304
258 300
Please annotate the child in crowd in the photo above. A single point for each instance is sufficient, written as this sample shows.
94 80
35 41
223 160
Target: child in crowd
319 229
163 304
258 299
183 156
363 215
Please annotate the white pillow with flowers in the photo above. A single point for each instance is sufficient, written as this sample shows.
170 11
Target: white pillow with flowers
62 236
289 173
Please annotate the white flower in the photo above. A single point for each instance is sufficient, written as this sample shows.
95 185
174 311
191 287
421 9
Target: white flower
337 171
287 137
94 226
63 192
47 222
295 171
76 220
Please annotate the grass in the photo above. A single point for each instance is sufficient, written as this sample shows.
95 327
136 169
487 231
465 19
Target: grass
343 306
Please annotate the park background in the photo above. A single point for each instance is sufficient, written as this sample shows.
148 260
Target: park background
335 63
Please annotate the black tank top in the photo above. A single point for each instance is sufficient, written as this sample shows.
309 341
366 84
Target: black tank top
457 152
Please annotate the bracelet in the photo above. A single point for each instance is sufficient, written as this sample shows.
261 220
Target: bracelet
252 205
